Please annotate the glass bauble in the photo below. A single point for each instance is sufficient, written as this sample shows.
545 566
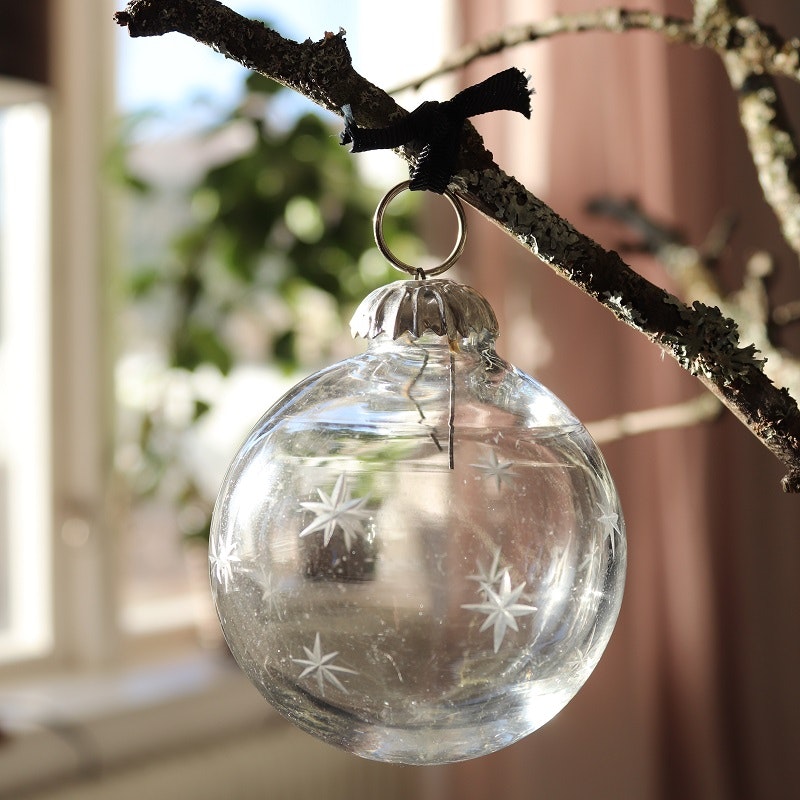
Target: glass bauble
418 554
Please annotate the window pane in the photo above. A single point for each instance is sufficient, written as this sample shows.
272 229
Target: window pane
211 328
25 508
173 89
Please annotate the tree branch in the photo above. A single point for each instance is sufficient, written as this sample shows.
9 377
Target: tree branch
702 408
692 270
766 49
610 20
751 52
322 71
701 339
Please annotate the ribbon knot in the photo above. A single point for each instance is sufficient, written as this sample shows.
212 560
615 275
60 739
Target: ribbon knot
438 126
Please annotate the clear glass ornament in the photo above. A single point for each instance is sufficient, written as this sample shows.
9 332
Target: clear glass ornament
418 554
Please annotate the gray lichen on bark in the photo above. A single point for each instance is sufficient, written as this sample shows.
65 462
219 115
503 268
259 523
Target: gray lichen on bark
700 338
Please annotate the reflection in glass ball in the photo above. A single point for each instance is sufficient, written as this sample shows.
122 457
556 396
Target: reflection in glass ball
418 554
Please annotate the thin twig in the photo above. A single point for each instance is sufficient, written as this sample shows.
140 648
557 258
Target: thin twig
703 408
773 54
752 53
611 20
699 337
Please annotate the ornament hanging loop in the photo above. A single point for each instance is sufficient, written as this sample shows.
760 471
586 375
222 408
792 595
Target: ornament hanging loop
418 272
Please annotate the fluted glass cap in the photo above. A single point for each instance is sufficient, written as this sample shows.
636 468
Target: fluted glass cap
417 307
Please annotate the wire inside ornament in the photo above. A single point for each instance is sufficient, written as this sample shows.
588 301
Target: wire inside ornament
418 272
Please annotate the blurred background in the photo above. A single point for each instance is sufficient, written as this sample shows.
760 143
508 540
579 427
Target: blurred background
181 241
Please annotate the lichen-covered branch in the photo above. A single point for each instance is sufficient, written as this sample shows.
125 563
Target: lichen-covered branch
753 53
692 270
321 70
771 140
766 50
611 20
700 338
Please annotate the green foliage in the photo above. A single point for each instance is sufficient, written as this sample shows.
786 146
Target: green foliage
288 213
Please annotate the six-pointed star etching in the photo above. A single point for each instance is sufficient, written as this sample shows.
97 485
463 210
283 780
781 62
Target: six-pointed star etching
338 510
319 664
221 557
262 578
487 578
499 470
611 528
501 608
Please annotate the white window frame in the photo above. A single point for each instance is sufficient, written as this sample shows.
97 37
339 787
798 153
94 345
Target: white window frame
83 532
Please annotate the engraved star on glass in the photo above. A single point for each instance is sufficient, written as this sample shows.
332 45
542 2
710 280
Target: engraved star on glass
418 554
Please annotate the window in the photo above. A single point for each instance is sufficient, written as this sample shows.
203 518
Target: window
85 606
83 573
181 466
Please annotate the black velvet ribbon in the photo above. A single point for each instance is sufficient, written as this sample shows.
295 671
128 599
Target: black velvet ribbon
438 126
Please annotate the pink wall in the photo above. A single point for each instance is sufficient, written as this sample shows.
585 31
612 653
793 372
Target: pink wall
697 695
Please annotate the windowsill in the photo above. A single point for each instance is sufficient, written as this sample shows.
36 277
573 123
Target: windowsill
71 727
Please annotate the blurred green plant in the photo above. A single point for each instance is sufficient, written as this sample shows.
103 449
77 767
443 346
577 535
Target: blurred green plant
277 254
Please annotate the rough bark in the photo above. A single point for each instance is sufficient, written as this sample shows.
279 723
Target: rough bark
699 337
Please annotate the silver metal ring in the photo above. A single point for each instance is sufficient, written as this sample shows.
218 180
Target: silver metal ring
458 248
